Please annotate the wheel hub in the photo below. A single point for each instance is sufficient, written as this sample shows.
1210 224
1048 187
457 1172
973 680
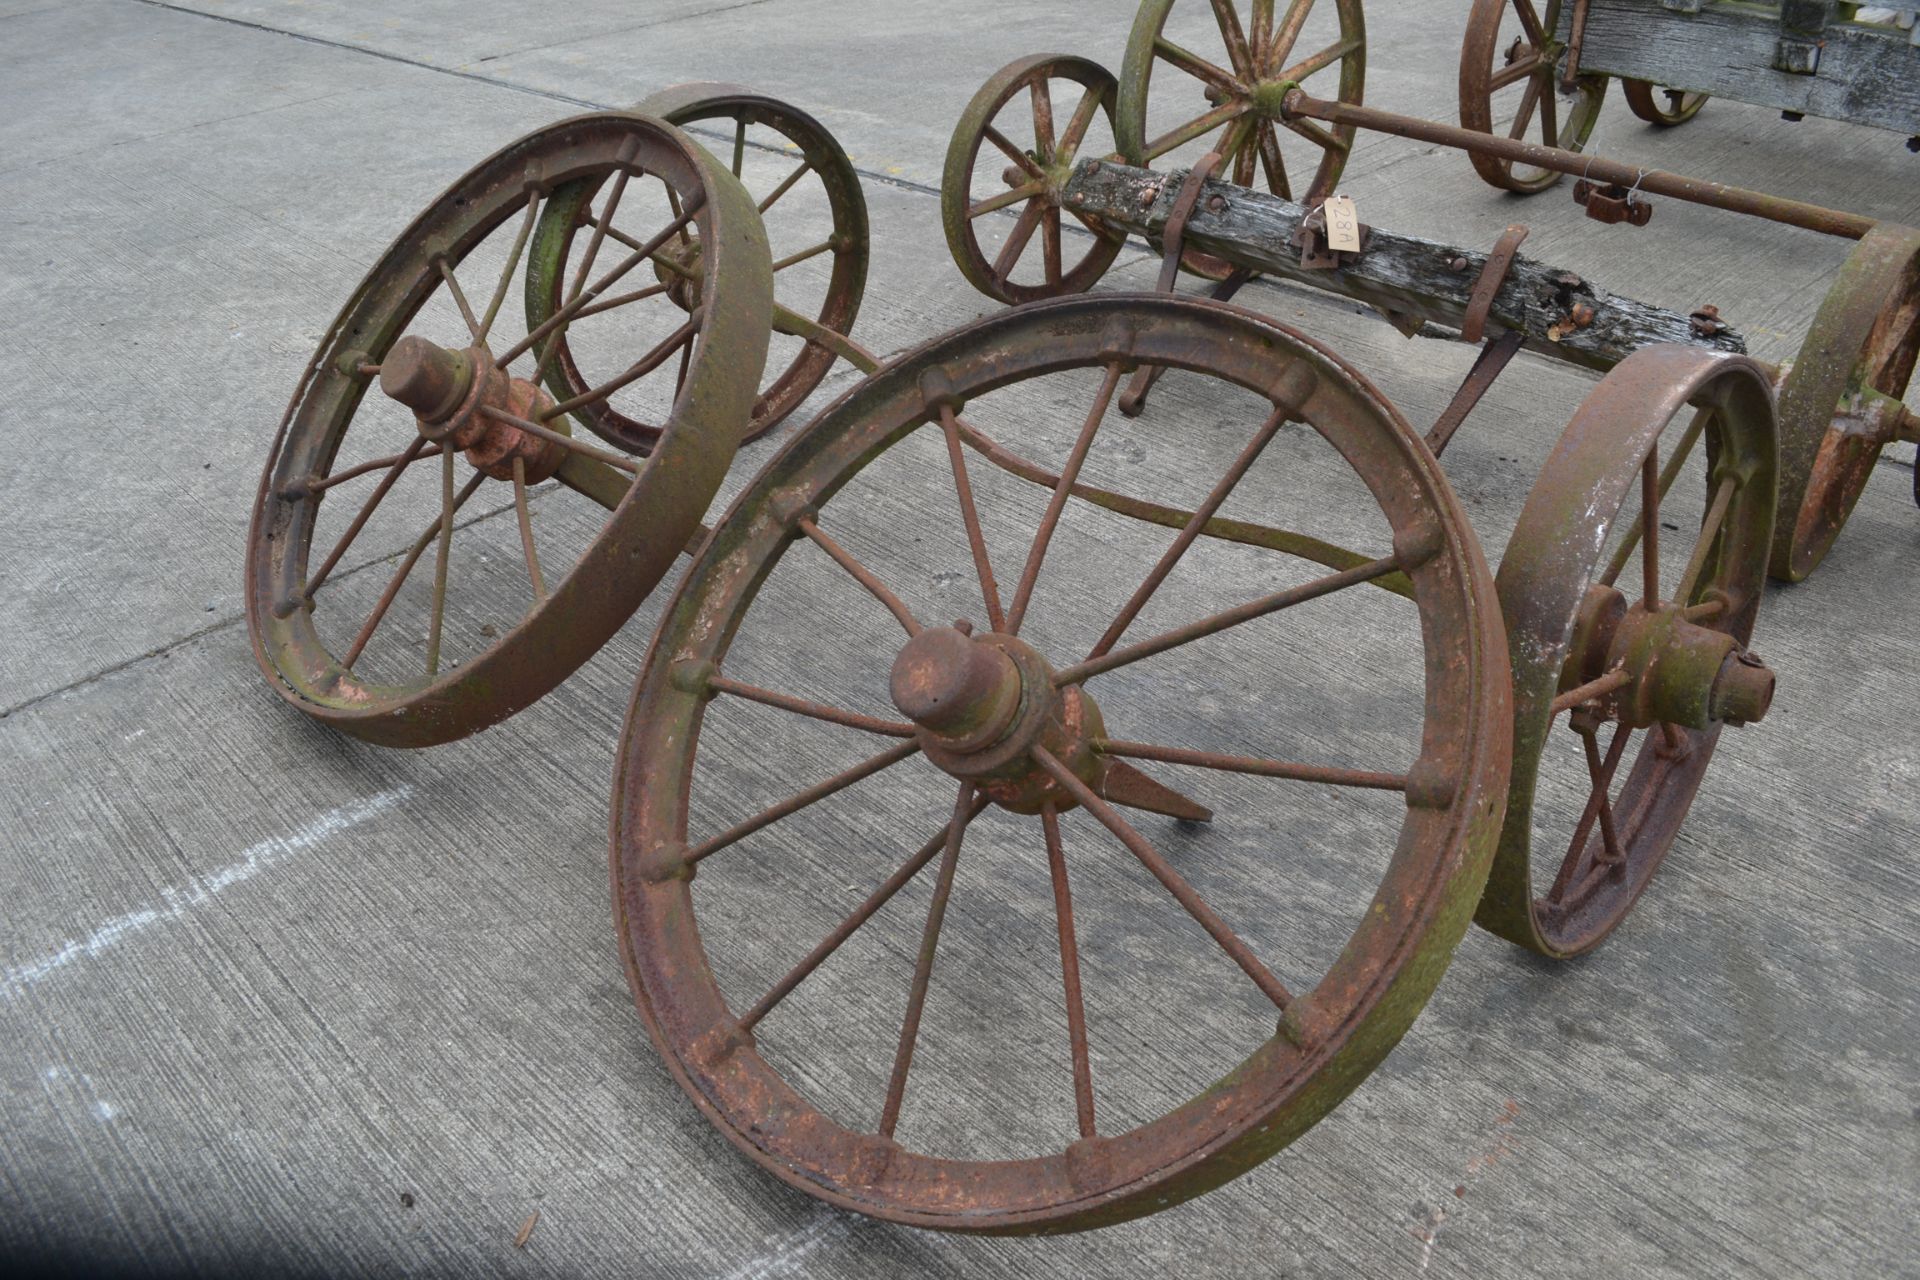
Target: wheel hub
679 270
1677 671
981 704
448 390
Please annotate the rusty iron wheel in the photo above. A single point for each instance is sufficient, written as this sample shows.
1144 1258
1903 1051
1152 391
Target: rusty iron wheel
1243 68
1841 401
1664 659
820 318
1659 105
1004 730
1526 55
415 367
1033 178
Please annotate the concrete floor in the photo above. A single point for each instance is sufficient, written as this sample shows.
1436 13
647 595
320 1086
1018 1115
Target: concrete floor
278 1002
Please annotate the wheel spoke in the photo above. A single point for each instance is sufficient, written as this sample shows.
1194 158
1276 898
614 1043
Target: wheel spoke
1012 196
1196 66
566 313
1227 18
1271 161
1197 522
801 800
620 300
813 710
923 963
1013 153
513 264
413 451
859 916
1050 243
1650 527
1062 490
1668 475
1017 241
970 514
637 370
525 515
1197 127
413 555
1315 63
739 144
567 442
812 251
1289 32
1528 100
601 223
1537 34
1260 34
1070 972
437 615
1318 137
1599 805
786 185
1549 116
1079 123
861 574
1592 690
1164 872
1239 144
1333 775
460 298
354 472
1514 74
1709 536
1043 139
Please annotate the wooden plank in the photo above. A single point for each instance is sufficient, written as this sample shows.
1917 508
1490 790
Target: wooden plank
1867 74
1405 275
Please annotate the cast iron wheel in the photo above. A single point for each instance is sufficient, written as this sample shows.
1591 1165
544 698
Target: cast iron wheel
1659 105
1527 54
820 323
1244 71
1033 178
1671 664
1007 732
454 384
1841 399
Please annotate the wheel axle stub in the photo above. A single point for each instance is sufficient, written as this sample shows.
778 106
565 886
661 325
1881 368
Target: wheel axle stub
450 392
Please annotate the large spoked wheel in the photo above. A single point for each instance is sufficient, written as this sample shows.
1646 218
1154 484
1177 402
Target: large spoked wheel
1611 642
815 309
1659 105
1015 756
421 417
1201 78
1841 399
1009 150
1510 81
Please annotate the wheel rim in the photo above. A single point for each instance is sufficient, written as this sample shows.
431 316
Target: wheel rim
1331 1036
1515 67
1672 677
1244 68
459 403
1840 398
1659 105
1033 179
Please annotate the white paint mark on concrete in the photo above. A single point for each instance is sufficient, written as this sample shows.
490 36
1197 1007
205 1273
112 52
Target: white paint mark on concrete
104 1111
790 1254
179 901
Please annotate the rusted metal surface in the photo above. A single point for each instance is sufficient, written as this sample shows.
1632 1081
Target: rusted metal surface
1612 204
1717 195
1644 99
676 265
1493 274
1664 660
1023 91
479 400
1242 78
1011 727
1517 70
1840 398
1487 368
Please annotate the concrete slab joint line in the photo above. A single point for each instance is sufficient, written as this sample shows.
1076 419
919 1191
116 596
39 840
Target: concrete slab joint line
176 902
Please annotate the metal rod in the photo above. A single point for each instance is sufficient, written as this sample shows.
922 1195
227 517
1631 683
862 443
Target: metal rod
1333 774
794 803
1070 972
815 710
1717 195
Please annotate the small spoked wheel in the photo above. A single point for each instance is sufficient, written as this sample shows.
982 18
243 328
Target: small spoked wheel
809 198
1013 149
1510 83
1659 105
1014 1048
1198 79
1612 641
1842 399
421 431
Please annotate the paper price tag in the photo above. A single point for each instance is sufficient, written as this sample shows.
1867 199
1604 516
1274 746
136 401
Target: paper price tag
1343 225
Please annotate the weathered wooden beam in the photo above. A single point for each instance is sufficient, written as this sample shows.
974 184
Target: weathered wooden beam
1864 74
1560 314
